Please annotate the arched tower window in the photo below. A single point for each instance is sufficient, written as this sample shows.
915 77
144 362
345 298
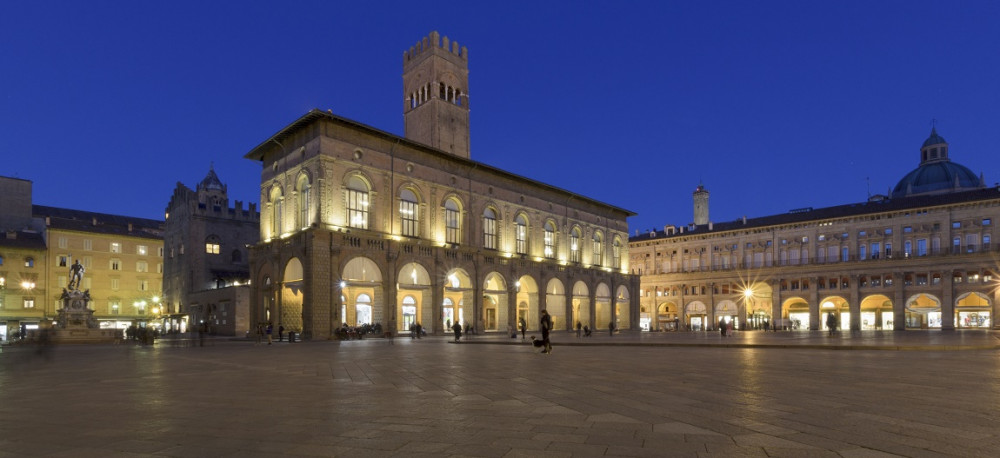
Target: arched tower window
452 222
574 244
357 203
489 229
550 239
598 248
521 234
616 253
408 213
304 188
276 210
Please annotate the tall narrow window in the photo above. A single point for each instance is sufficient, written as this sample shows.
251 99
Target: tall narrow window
616 253
408 213
305 196
550 240
921 247
574 245
276 212
357 203
452 222
598 249
489 229
521 234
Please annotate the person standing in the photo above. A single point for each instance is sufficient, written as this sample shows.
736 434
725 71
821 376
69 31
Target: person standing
611 329
546 325
578 328
281 332
269 331
523 326
458 331
831 322
722 327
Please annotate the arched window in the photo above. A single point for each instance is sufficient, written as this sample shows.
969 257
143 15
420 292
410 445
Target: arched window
408 213
616 253
452 222
276 212
521 234
598 248
237 257
357 203
490 229
363 306
304 189
550 240
574 245
212 244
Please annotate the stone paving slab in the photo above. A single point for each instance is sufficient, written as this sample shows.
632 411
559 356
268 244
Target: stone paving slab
627 395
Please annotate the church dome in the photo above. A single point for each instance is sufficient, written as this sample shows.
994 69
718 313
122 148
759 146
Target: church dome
936 173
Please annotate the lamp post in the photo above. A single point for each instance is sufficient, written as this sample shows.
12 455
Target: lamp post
748 304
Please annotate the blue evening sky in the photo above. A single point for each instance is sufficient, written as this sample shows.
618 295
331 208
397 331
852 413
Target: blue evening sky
106 105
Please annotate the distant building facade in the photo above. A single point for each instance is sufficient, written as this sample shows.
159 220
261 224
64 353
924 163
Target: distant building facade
359 226
123 258
922 257
207 267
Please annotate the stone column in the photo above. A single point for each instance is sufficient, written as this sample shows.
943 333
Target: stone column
814 307
854 306
899 302
948 301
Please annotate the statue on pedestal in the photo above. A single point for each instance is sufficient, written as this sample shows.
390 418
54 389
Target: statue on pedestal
76 275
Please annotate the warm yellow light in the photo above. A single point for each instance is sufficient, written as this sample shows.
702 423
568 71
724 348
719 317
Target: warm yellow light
156 299
28 284
748 293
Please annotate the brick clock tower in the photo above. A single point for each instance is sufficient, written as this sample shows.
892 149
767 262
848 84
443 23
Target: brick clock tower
436 94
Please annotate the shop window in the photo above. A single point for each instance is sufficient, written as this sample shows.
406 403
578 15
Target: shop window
29 262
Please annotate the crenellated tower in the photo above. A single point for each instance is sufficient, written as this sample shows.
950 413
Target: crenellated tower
436 94
700 197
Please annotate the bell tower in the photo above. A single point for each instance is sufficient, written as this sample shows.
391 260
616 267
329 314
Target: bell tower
436 94
700 196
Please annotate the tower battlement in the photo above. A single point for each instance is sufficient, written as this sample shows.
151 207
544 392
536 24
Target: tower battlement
432 42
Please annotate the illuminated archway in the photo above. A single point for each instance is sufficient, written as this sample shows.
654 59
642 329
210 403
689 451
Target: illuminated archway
414 285
495 300
457 300
527 301
696 314
555 303
362 276
923 311
292 297
973 310
602 306
794 315
581 304
876 313
836 305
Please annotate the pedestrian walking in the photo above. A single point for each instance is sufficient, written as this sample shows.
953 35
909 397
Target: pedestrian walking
269 331
578 327
281 332
722 327
458 331
831 322
546 324
524 327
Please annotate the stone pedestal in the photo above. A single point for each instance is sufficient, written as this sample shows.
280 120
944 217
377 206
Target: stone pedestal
76 323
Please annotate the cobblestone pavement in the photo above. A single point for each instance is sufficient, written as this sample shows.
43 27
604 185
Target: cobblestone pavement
684 394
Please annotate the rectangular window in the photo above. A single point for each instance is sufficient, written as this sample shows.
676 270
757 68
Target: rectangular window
907 229
141 250
115 264
63 243
159 267
212 248
521 238
63 260
408 216
888 231
876 250
987 221
574 248
115 284
29 302
862 252
844 257
143 285
115 307
141 266
956 224
116 247
159 252
956 245
922 247
88 245
550 244
888 250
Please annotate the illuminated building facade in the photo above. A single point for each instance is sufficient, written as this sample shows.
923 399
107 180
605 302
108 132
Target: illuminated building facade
362 226
123 258
921 257
207 267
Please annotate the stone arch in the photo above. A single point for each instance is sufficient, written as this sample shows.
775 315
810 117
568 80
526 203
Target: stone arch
413 282
602 306
527 301
292 296
795 314
727 311
581 304
555 303
876 312
623 309
495 299
840 309
458 291
696 314
973 310
361 275
923 311
667 315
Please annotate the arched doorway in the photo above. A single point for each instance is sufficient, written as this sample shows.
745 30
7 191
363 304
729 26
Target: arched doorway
361 291
581 304
794 314
414 285
696 314
290 313
727 312
923 311
876 313
623 311
666 316
555 303
457 293
973 310
602 306
840 310
494 302
756 299
527 302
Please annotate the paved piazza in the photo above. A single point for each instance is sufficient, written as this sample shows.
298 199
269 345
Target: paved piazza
689 394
